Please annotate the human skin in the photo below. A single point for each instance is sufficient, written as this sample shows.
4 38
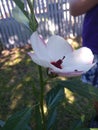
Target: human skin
79 7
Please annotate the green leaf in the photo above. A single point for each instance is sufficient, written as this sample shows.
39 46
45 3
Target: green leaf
19 121
37 117
86 129
28 127
20 4
2 123
54 96
76 125
33 22
51 118
20 17
85 91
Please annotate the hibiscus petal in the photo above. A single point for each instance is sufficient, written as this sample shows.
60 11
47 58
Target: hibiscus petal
78 67
80 56
58 47
63 59
39 61
72 70
78 60
39 46
83 55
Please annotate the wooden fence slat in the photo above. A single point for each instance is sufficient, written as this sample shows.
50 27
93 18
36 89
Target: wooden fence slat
53 17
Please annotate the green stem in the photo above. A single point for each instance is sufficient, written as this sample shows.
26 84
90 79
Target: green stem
33 22
42 96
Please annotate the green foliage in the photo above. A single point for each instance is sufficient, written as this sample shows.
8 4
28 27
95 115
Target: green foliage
85 129
54 96
25 17
32 21
20 4
37 116
20 17
51 118
85 91
19 120
2 123
22 75
44 121
78 124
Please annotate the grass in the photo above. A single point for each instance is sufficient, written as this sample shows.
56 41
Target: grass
17 73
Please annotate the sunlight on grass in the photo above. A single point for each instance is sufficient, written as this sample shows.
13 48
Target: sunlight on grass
28 61
13 62
16 96
11 58
27 79
47 87
15 101
19 87
62 78
45 109
16 79
69 95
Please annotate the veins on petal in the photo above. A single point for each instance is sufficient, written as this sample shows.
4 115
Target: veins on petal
58 63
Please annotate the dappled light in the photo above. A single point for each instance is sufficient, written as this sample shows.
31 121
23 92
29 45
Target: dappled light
14 56
17 76
69 95
75 42
13 77
14 101
62 78
45 91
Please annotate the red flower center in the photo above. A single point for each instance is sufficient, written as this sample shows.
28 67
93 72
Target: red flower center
58 63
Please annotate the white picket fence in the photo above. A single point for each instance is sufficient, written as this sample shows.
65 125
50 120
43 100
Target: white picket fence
53 17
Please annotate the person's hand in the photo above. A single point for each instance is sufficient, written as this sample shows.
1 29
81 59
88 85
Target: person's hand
79 7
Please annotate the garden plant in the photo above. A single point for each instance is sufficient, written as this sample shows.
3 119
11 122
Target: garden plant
58 58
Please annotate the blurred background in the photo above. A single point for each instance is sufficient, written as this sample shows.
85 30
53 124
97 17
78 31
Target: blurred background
53 17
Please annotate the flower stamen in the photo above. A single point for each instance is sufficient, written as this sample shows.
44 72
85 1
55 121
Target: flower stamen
58 63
